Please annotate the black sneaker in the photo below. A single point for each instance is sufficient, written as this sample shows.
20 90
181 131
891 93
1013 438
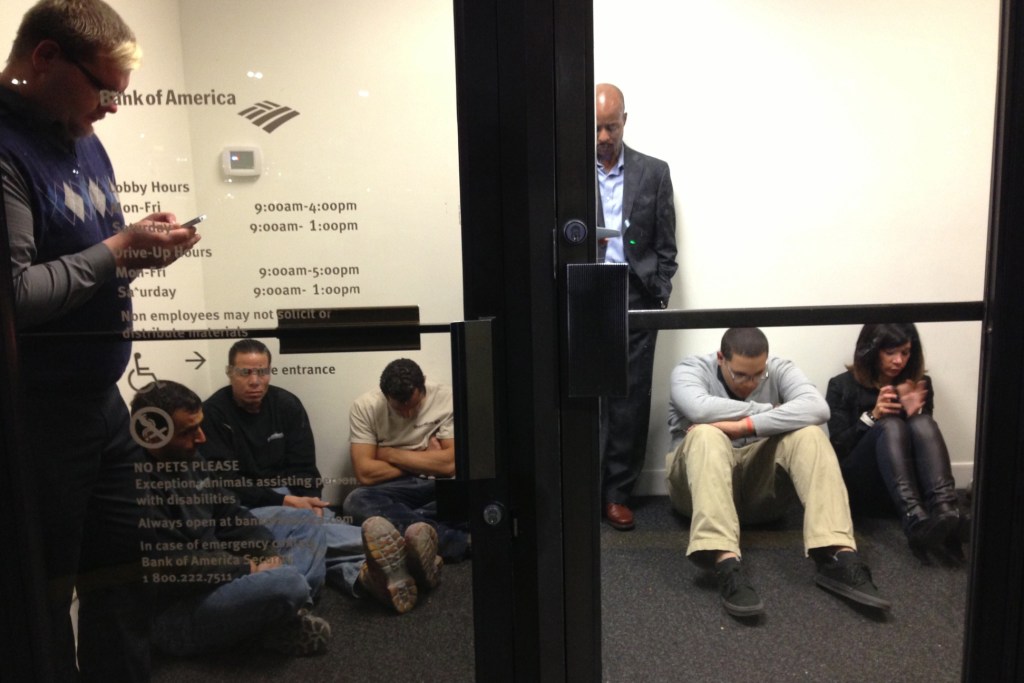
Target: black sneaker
738 596
847 575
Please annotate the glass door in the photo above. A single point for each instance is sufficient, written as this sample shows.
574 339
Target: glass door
320 142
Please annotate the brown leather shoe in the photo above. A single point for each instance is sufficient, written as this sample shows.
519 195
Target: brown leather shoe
619 516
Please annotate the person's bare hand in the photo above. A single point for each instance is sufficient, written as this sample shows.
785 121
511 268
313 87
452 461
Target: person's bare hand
912 395
306 503
734 429
161 217
887 403
151 243
264 565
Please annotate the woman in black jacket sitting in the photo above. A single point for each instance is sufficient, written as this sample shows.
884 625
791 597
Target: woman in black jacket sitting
890 449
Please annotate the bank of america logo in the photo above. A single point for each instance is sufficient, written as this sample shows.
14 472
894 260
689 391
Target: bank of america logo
269 115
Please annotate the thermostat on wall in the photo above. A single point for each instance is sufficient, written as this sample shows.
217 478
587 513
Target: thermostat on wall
241 161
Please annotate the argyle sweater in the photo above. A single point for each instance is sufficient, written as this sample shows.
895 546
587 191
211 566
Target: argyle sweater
69 188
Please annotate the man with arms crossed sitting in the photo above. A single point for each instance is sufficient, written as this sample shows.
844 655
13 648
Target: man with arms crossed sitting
402 440
746 445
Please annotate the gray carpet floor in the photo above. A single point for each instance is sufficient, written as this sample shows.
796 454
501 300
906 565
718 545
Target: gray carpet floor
662 619
433 642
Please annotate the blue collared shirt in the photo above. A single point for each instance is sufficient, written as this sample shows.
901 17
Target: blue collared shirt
610 186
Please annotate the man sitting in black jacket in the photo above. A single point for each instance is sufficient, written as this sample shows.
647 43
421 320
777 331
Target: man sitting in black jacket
263 434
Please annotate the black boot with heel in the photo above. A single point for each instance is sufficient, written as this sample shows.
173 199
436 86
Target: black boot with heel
929 531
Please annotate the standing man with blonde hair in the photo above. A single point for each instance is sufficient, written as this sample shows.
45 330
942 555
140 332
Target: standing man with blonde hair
70 61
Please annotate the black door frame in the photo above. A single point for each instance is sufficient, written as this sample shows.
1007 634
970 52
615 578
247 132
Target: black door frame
511 110
994 638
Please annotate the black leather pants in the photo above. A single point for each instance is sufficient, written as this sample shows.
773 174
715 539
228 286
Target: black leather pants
908 460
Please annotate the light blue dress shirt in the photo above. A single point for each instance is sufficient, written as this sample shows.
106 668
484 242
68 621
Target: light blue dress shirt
610 186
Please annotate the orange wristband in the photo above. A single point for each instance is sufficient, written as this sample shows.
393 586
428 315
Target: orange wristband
750 425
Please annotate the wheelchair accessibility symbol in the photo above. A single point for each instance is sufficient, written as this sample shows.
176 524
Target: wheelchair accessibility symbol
140 376
152 428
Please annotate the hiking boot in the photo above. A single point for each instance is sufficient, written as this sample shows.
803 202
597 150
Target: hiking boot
302 636
847 575
738 596
421 555
384 575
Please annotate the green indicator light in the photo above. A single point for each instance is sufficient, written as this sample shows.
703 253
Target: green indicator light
632 241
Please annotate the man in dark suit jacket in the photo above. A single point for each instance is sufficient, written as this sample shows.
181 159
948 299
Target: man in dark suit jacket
635 195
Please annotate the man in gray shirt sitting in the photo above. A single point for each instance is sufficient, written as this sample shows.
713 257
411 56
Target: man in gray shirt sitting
746 445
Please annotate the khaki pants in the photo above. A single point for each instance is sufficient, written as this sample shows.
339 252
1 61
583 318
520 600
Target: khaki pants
719 486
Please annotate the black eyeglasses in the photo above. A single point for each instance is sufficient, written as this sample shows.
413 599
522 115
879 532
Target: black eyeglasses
246 372
107 94
741 378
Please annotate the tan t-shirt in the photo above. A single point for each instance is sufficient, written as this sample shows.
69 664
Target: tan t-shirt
371 421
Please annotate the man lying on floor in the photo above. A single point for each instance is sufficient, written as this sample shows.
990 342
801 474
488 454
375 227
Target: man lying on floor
219 576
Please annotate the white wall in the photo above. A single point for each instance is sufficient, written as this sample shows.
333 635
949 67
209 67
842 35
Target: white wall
822 153
377 128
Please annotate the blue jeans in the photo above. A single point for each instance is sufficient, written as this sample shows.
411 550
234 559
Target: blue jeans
403 502
231 613
245 607
344 552
344 548
300 540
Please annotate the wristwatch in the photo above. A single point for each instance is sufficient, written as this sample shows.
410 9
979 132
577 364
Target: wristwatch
867 418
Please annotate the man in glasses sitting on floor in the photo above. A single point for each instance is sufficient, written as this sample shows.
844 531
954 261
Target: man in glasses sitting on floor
746 445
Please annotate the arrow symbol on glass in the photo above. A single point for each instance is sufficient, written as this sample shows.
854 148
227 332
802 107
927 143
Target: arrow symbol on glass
198 360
